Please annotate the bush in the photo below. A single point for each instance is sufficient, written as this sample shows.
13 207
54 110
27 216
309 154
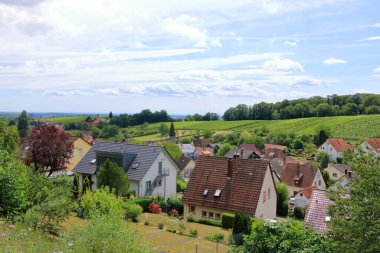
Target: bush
181 186
242 225
216 223
161 225
175 203
155 208
227 220
190 218
282 199
172 231
299 213
132 211
193 233
217 237
174 213
182 228
147 223
144 202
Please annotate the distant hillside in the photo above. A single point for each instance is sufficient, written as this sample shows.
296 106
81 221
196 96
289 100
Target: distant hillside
352 128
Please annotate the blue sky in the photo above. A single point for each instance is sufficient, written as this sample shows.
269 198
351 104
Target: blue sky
183 56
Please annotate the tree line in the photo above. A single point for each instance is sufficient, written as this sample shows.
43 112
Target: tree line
317 106
125 120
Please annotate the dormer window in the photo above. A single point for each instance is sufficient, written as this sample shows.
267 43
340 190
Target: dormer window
93 161
205 192
217 193
135 165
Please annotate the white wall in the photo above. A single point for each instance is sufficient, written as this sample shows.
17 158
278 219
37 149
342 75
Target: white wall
134 185
301 201
328 148
168 187
267 209
318 177
368 149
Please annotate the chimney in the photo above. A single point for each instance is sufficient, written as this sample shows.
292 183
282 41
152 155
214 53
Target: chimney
298 169
241 152
350 173
229 168
345 171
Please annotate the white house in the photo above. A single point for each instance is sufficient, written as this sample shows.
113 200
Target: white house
302 198
371 146
150 169
334 147
186 166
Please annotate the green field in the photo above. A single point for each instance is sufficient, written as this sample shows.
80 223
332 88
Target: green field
68 119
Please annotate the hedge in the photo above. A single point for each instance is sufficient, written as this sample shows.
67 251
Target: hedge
144 202
228 220
211 222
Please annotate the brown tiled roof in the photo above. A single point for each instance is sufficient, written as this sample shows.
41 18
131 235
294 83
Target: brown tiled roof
202 143
183 161
250 148
72 139
304 173
374 143
317 210
240 186
339 144
205 151
273 146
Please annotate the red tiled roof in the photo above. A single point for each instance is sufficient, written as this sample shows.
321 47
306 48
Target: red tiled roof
205 151
202 143
304 173
273 146
339 144
250 148
240 185
374 143
317 210
308 191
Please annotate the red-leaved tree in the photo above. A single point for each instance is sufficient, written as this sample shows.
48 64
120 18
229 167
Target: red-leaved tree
48 149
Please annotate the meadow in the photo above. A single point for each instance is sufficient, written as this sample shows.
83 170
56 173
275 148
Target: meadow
66 119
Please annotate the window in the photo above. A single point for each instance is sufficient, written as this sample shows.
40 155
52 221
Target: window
160 168
160 182
319 182
148 186
301 194
191 209
205 192
93 161
79 152
264 196
135 165
217 193
335 175
217 216
268 193
204 214
211 215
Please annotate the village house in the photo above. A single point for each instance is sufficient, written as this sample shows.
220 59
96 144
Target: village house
80 149
220 185
245 151
371 146
204 151
341 174
316 213
298 176
186 166
202 143
188 150
150 169
302 197
334 147
275 151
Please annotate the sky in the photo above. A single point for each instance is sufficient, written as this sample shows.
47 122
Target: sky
185 57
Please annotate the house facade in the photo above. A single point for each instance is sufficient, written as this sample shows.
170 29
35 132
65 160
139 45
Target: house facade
302 198
186 166
80 149
334 147
220 185
150 169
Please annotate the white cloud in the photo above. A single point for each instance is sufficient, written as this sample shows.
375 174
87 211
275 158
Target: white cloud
283 65
371 38
377 70
291 43
333 61
108 91
377 25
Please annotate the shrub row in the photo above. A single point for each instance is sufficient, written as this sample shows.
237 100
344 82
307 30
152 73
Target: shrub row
216 223
228 220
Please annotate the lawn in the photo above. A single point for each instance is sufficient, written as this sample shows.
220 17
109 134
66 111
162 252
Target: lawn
65 120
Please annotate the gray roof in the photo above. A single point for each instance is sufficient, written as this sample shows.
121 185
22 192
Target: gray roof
187 148
144 155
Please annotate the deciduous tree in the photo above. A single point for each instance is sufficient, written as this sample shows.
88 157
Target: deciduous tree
114 177
22 124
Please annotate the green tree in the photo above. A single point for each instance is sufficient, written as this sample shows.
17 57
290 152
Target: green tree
163 129
282 199
355 220
110 115
245 137
8 137
284 237
323 159
323 110
350 109
114 177
172 130
241 226
110 131
207 134
224 149
321 135
23 124
172 148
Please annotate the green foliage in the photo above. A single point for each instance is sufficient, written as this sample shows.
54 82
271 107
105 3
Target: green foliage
161 225
326 178
355 219
144 202
211 222
172 130
114 177
298 144
258 141
228 220
186 140
8 137
102 202
132 211
322 134
174 203
284 237
163 129
172 148
207 134
282 199
242 224
299 213
323 159
95 132
22 124
193 233
215 237
224 149
13 186
110 131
